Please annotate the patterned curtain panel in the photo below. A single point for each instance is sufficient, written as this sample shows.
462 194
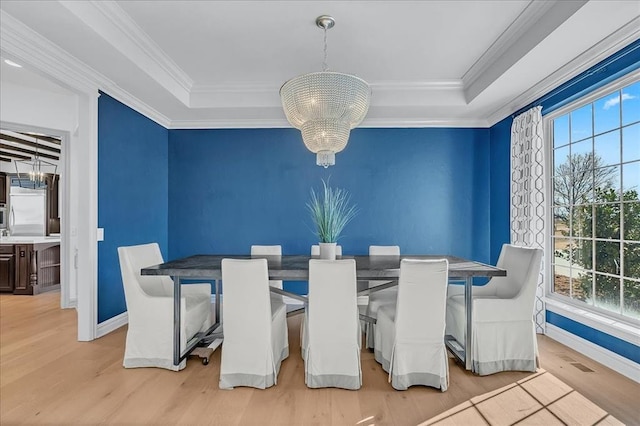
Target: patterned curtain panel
528 192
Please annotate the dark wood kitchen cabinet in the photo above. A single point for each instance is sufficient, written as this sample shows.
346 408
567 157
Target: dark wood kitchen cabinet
53 210
3 188
22 253
29 268
7 274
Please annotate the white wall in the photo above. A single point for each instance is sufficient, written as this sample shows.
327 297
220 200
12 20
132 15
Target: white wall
38 109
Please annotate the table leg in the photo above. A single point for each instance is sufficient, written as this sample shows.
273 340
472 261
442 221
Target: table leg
468 301
218 293
176 319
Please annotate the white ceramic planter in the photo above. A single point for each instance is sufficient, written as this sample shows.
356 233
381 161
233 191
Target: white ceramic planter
328 251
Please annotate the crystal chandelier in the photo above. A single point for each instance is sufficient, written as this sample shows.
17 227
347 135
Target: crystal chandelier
36 169
325 105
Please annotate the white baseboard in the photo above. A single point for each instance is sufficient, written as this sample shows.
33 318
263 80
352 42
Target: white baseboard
112 324
604 356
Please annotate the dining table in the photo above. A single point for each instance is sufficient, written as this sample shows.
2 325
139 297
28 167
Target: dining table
369 269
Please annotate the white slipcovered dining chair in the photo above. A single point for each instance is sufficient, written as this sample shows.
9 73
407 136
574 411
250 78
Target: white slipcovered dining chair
331 326
409 339
315 250
256 340
379 298
275 250
503 337
149 301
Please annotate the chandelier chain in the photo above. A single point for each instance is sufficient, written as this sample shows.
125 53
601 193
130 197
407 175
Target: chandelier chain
325 67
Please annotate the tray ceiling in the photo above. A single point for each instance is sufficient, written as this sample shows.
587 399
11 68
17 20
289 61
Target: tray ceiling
200 64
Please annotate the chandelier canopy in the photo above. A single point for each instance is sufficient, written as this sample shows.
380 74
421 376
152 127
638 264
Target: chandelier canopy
325 105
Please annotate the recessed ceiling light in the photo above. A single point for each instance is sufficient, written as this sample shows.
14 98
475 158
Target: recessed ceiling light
13 64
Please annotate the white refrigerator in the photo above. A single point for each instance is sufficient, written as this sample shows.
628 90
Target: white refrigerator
28 211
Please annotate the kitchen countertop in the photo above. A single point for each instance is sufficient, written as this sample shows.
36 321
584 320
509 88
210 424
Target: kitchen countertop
30 239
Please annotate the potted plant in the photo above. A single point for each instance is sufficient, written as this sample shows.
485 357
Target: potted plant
330 211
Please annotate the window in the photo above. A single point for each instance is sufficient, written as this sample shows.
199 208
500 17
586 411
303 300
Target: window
595 186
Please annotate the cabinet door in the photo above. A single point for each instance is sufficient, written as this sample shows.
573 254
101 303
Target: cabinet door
23 269
3 188
7 275
53 211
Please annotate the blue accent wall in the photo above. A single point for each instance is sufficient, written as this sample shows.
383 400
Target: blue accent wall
607 341
425 190
132 193
500 186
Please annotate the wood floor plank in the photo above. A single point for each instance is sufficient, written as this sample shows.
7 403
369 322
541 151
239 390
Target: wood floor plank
47 377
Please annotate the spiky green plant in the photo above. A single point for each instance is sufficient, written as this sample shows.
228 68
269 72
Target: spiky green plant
330 211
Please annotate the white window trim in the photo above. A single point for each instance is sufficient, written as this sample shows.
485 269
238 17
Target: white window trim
625 328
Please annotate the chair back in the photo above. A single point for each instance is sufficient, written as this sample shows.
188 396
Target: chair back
384 250
422 300
247 310
333 320
276 250
132 260
315 250
523 267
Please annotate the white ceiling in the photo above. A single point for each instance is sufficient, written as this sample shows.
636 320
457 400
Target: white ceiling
201 64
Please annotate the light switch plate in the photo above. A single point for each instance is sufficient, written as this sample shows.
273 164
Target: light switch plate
100 234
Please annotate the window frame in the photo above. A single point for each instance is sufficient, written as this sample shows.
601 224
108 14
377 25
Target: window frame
547 122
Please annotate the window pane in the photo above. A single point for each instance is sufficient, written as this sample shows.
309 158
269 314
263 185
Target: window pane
631 143
581 285
606 113
608 257
631 218
608 293
581 123
607 184
561 280
561 131
582 254
561 221
562 251
631 255
582 221
561 161
584 148
631 176
607 148
631 298
631 103
608 221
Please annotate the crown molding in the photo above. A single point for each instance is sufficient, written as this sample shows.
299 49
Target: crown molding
384 93
44 57
367 123
534 24
600 51
31 49
116 27
518 28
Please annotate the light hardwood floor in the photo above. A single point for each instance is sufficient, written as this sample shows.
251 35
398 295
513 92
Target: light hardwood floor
46 376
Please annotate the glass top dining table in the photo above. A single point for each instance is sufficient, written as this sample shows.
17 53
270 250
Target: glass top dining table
296 268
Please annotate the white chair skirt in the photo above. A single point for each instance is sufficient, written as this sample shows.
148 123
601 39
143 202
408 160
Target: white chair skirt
343 359
410 363
149 340
495 345
377 299
247 364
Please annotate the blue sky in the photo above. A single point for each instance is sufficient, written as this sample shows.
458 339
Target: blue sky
610 127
